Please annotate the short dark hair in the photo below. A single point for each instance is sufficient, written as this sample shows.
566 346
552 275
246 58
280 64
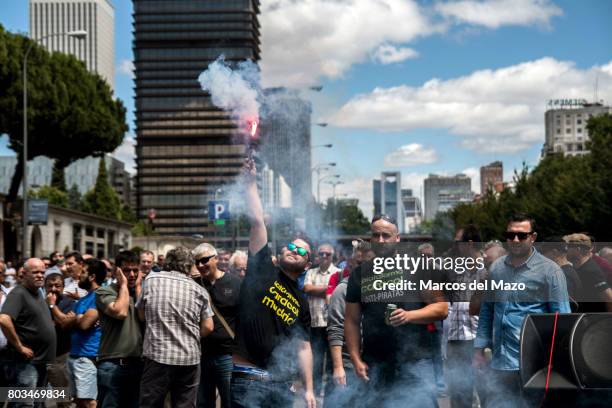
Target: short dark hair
54 275
384 217
470 233
553 242
76 254
124 257
97 268
522 217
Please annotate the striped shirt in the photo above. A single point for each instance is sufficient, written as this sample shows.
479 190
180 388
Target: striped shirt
462 326
174 306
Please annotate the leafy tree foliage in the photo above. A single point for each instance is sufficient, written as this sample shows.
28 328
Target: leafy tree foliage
57 178
53 194
344 218
563 194
74 198
71 112
103 200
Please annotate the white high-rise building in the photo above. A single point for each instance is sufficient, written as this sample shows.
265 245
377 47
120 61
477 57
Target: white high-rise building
97 17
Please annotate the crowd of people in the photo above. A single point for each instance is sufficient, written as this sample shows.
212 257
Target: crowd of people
206 326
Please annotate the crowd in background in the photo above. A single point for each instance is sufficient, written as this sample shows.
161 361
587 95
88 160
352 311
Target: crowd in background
141 330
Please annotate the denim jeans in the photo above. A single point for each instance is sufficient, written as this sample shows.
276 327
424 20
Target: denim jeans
260 394
216 373
22 374
119 385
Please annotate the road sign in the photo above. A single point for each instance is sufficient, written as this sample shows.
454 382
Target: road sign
218 210
38 211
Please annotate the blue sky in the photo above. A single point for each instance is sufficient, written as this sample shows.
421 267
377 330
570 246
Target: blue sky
419 87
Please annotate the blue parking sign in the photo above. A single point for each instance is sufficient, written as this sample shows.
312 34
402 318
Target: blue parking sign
218 210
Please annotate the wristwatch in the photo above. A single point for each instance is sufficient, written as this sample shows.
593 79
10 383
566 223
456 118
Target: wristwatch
51 306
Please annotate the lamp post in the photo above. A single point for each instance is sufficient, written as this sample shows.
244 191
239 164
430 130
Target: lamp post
318 168
334 183
319 180
79 34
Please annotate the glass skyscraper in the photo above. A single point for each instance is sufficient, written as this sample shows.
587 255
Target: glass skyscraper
187 149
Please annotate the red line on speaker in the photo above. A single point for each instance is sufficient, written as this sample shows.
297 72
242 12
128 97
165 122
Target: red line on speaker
552 348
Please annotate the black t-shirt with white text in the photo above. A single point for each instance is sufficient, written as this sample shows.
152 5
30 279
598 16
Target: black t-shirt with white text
225 295
593 284
273 317
33 323
384 343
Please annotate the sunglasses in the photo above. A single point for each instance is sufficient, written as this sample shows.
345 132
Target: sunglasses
521 235
204 260
301 251
325 254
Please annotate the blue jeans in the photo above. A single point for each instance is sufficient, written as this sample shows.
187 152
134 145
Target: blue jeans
260 394
216 373
119 385
28 375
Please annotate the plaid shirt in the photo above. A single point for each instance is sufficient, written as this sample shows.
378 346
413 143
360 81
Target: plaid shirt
318 308
462 326
174 305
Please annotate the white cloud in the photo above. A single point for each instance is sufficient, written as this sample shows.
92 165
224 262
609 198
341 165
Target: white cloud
411 155
496 13
126 153
498 110
389 54
305 41
358 187
474 174
126 67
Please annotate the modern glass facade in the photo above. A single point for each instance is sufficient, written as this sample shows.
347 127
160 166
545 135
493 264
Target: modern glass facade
187 149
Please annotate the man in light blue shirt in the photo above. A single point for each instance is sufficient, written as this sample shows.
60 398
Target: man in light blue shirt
502 315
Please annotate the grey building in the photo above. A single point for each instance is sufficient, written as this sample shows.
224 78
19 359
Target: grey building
566 121
186 147
443 193
39 172
285 143
97 17
388 197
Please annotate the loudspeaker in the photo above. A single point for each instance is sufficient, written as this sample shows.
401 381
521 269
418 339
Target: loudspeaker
582 357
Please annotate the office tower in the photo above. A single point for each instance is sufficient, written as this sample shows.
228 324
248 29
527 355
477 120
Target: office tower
490 176
388 200
97 17
443 193
187 149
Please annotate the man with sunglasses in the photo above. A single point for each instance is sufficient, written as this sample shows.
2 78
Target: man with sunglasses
273 321
502 312
394 357
119 355
315 286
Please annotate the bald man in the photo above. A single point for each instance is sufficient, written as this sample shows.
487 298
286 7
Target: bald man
26 322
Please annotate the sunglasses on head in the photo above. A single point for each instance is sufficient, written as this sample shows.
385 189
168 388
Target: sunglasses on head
521 235
301 251
384 217
204 260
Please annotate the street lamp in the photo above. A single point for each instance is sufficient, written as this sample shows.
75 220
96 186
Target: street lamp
329 145
78 34
318 168
329 176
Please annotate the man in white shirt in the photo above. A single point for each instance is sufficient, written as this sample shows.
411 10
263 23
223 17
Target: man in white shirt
315 286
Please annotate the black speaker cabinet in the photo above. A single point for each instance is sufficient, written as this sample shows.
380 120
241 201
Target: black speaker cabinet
582 357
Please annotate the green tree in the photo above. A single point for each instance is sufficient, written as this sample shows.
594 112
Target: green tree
102 200
57 178
71 112
53 194
74 198
343 218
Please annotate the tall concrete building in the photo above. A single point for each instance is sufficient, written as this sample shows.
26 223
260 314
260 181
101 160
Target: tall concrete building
566 121
443 193
186 147
97 17
388 197
490 176
39 172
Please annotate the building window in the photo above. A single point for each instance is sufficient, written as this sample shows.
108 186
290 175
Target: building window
579 122
100 233
558 131
579 130
89 231
89 247
558 123
100 251
570 147
568 130
568 122
76 237
579 147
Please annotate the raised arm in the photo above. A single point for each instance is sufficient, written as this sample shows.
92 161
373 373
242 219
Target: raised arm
120 307
258 236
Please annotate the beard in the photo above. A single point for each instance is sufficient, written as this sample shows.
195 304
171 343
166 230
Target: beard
291 266
86 285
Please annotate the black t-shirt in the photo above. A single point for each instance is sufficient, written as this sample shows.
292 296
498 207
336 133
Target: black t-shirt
33 323
273 316
593 283
225 295
574 286
383 343
66 305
